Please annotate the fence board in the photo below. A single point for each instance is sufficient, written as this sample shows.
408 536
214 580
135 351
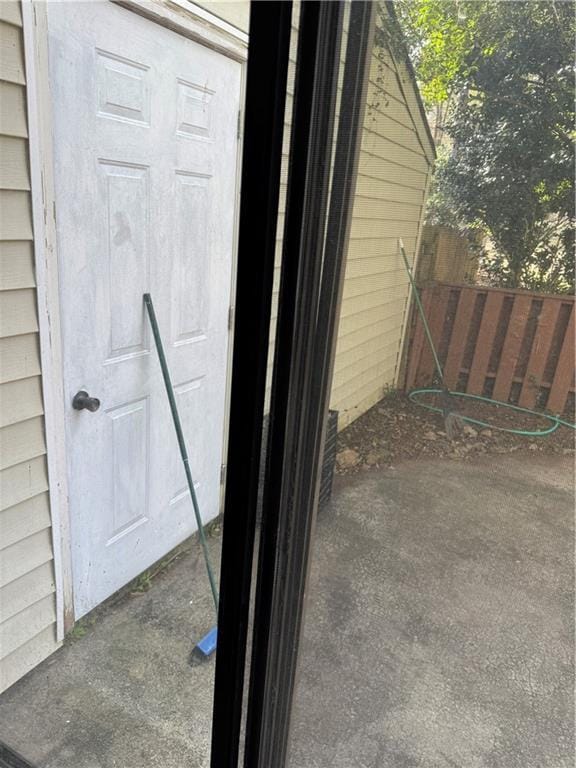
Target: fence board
459 336
418 340
539 354
511 348
435 316
484 342
563 378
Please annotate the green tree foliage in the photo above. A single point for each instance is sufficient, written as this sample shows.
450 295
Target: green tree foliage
503 74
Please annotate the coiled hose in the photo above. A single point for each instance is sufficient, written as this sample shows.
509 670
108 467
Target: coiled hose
555 421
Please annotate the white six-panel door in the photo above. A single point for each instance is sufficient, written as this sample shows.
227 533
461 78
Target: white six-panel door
145 152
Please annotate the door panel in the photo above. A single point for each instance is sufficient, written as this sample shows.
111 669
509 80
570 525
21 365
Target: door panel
125 192
191 277
129 465
145 149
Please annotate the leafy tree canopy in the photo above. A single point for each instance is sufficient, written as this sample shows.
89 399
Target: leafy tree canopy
501 75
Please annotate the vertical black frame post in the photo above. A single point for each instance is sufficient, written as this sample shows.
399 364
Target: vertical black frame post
361 32
310 296
285 535
267 71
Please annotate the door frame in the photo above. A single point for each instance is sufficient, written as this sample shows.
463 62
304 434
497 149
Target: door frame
188 20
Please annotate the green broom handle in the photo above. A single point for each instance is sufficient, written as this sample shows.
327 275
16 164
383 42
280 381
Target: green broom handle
421 310
181 442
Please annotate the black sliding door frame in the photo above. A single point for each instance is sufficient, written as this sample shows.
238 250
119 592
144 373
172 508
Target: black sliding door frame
290 467
267 73
318 215
321 183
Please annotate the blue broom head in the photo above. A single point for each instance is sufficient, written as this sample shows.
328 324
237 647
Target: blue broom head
205 647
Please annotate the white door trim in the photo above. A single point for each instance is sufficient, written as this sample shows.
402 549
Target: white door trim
46 262
202 13
190 21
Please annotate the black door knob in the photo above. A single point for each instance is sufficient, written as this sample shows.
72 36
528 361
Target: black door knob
83 400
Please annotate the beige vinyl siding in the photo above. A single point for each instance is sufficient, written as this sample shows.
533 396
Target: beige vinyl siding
19 357
395 163
11 52
11 12
27 590
23 481
394 166
235 12
16 265
12 110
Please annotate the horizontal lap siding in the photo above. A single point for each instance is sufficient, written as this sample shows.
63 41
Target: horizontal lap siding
392 177
13 110
235 12
390 194
16 265
27 592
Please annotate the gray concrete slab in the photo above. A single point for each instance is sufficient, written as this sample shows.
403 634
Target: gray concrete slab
440 628
124 695
439 633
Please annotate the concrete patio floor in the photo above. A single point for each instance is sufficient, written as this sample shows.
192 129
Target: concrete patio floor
439 634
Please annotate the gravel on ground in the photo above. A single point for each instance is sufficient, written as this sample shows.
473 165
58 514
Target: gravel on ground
397 428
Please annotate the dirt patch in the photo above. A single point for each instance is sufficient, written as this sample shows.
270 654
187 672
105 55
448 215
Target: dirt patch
396 428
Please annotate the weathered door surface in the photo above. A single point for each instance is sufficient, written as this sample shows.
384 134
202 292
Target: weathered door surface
145 149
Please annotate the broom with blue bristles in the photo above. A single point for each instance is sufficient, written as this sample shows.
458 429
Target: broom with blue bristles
207 645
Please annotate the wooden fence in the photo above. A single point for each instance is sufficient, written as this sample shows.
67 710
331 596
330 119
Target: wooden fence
511 345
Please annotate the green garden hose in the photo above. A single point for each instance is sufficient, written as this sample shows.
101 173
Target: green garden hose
555 421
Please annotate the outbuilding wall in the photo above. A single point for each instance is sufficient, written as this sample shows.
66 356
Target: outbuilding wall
395 165
27 587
